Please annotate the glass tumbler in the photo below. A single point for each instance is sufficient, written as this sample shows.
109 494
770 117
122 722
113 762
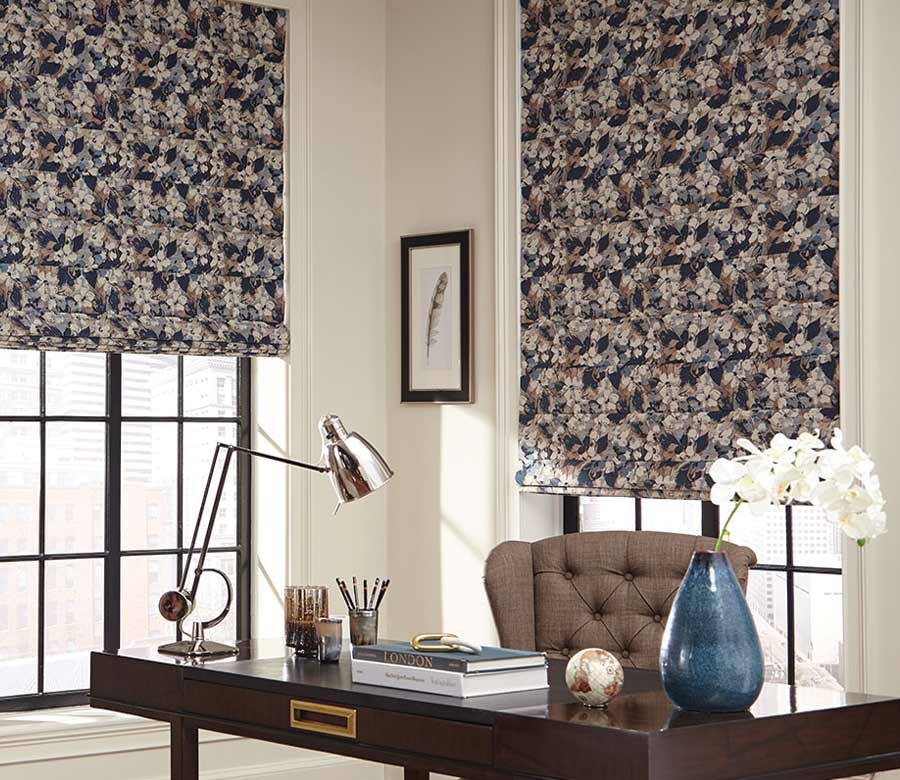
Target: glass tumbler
303 605
329 630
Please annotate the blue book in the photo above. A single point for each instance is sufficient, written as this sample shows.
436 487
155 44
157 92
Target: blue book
490 659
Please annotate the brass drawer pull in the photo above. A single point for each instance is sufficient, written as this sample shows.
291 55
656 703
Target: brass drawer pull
323 719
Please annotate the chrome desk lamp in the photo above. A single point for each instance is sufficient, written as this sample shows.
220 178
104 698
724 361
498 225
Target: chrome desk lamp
355 469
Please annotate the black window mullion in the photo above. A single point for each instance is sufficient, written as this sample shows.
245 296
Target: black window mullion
112 571
244 540
709 520
42 516
637 514
179 490
571 514
789 583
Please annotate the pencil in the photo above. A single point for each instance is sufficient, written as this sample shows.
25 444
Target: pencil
384 587
365 594
374 593
344 595
355 594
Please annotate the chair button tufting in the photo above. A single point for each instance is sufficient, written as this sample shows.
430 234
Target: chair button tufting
566 651
596 616
657 618
569 575
629 577
625 654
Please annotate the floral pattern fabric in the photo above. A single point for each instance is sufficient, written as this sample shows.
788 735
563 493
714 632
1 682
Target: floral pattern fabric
142 176
679 279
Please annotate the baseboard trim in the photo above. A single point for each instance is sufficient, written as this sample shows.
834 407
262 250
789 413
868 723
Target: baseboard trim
129 736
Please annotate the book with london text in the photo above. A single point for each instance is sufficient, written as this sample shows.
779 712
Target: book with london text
490 659
444 683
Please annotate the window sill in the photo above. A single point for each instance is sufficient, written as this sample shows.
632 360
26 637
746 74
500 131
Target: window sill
73 732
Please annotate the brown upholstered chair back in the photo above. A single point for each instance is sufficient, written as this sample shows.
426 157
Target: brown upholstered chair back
609 589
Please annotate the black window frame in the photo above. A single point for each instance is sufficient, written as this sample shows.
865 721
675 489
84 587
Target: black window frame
112 552
709 524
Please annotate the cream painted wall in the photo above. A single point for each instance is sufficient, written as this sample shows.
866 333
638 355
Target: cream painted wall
336 166
440 166
346 209
880 172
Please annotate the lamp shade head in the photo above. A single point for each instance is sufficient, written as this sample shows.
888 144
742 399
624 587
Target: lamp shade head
354 466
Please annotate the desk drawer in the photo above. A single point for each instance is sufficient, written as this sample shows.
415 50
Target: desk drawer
380 728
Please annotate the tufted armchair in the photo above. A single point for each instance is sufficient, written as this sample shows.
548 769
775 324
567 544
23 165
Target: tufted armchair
609 589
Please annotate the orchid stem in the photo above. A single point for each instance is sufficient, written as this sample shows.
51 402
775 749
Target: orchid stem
724 531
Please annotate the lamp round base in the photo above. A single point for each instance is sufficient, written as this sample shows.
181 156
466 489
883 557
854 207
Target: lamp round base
200 648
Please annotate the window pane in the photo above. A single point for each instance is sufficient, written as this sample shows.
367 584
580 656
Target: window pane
767 597
73 622
764 534
20 477
76 383
816 541
211 597
607 514
199 447
76 477
210 386
144 580
19 381
18 628
149 485
819 626
150 385
672 515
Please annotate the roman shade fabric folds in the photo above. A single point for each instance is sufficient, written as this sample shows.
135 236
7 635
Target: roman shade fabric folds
141 176
679 237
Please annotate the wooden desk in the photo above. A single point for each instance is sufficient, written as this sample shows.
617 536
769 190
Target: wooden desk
791 733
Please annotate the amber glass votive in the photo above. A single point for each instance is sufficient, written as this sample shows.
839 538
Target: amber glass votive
303 605
363 627
329 631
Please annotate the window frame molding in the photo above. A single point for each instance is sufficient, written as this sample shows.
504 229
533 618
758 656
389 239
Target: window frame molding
112 552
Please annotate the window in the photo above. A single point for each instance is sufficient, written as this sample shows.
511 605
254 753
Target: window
105 457
794 592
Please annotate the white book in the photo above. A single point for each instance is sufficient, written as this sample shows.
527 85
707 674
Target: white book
445 683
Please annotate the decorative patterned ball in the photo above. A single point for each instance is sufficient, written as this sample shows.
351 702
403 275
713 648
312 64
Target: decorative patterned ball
594 676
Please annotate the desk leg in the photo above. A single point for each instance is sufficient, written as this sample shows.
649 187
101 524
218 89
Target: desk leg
415 774
184 752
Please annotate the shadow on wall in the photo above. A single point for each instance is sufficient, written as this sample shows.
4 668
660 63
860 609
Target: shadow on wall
441 521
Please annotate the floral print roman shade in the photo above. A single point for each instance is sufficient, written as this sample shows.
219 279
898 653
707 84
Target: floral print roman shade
141 176
679 236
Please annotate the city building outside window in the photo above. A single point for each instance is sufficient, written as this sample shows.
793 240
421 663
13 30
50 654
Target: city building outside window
103 463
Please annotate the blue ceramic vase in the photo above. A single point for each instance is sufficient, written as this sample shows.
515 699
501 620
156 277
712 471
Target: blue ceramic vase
711 659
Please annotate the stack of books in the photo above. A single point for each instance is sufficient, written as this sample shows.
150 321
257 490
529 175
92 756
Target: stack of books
493 670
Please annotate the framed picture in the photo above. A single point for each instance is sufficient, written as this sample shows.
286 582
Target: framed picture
435 331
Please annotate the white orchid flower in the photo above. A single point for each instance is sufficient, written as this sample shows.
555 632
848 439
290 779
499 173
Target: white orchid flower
840 481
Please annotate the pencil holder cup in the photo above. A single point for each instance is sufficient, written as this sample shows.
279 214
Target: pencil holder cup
363 627
303 605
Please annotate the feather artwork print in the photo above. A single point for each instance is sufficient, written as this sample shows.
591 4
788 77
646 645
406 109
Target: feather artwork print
432 325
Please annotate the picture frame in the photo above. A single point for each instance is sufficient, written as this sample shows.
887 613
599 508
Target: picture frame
436 317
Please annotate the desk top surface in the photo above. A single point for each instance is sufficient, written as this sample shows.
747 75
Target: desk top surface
641 707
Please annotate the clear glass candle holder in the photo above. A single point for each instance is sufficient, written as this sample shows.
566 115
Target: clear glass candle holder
363 627
303 605
328 632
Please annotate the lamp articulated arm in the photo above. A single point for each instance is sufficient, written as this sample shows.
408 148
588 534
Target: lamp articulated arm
355 469
176 605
